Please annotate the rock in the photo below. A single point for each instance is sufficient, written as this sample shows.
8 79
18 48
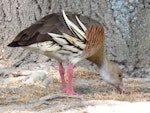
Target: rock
35 76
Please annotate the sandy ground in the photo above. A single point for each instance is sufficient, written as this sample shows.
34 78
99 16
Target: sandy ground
40 92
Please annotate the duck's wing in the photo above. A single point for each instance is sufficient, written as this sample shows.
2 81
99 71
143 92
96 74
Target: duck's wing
57 31
89 40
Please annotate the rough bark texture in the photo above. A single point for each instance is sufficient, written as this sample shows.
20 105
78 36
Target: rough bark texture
126 25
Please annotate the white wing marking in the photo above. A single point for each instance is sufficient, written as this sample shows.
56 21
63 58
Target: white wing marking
81 24
73 27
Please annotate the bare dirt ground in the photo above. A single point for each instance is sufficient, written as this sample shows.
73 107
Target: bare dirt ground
40 92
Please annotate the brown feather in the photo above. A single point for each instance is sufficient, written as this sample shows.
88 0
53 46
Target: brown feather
95 40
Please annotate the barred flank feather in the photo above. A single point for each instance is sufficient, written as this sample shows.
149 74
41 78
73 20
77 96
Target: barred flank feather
58 38
74 41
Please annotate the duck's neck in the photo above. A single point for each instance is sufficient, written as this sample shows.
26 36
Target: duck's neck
99 57
102 62
104 70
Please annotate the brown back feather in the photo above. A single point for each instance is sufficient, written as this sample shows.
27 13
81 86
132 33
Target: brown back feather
95 40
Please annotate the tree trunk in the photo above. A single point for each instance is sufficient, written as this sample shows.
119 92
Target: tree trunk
118 18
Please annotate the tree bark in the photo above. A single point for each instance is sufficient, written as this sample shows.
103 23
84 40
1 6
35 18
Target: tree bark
123 43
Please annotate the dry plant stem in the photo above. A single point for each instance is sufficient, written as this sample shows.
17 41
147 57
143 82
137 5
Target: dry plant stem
46 100
55 96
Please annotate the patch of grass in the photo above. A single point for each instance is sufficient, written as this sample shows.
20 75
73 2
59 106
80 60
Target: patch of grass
27 93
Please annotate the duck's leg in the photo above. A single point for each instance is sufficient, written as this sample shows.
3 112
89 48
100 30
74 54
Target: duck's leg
62 72
70 90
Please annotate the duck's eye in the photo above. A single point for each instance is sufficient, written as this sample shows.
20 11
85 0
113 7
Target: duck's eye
120 75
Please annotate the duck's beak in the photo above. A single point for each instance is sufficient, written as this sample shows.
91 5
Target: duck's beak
121 89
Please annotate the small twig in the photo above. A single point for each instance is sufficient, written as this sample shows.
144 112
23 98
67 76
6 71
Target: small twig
46 100
55 96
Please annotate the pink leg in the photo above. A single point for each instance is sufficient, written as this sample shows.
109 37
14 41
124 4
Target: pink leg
62 72
70 90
